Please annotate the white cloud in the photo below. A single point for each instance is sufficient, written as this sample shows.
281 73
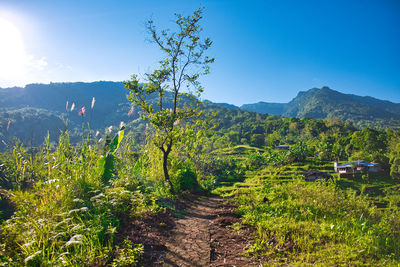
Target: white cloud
61 66
36 64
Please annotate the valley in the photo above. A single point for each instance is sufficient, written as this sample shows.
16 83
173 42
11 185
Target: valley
145 172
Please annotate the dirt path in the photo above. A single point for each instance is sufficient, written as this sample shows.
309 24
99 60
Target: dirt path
202 237
189 244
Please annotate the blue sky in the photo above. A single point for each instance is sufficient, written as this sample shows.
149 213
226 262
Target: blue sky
264 50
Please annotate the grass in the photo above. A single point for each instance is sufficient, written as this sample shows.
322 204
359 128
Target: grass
319 223
65 214
238 150
68 201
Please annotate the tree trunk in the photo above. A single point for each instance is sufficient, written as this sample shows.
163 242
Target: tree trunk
165 168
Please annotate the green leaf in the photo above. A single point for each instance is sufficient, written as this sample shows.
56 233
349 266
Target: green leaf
117 140
106 164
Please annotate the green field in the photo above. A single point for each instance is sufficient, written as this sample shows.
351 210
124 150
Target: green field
340 222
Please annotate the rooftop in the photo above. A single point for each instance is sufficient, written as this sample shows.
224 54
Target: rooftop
358 163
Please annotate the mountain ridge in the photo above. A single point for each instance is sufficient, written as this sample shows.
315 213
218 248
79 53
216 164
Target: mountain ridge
319 103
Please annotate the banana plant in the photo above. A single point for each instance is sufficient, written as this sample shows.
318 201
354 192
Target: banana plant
107 160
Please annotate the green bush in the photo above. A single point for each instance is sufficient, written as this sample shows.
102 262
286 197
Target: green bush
185 180
207 183
129 254
255 160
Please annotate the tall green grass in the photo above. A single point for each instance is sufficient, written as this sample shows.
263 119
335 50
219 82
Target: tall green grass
67 211
299 222
69 200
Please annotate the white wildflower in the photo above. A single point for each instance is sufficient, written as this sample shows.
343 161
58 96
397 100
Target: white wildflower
131 111
51 181
84 209
58 235
75 240
28 244
93 101
31 257
101 195
76 228
109 129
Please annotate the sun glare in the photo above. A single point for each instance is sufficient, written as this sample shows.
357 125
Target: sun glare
12 54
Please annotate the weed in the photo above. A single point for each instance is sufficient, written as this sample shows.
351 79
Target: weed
128 254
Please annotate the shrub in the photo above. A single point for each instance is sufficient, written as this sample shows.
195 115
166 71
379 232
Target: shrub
185 180
128 255
255 160
257 140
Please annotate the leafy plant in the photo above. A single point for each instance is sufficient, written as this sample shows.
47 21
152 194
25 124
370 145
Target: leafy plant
186 179
128 254
107 161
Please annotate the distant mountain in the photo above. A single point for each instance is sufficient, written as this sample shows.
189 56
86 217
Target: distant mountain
30 112
30 125
327 103
382 104
109 97
226 105
264 107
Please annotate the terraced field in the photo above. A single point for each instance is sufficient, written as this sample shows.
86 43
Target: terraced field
344 221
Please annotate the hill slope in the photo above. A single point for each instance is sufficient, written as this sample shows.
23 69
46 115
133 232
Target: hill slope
29 112
109 97
327 103
265 107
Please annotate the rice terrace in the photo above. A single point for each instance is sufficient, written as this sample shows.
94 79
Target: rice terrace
214 133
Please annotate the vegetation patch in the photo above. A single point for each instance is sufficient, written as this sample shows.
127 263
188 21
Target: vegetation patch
301 222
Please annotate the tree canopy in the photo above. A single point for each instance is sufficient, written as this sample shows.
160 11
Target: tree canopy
183 63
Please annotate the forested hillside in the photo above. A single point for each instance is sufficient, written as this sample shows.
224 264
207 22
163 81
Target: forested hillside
264 107
24 112
327 103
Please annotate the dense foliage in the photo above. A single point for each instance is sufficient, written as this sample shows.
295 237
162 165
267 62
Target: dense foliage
112 108
315 223
62 204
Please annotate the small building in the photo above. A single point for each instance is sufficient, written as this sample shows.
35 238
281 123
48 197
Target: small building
356 167
311 176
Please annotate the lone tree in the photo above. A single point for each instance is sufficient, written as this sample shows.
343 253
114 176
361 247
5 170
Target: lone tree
160 92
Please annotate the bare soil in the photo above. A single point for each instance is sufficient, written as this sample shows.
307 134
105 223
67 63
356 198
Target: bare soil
202 234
